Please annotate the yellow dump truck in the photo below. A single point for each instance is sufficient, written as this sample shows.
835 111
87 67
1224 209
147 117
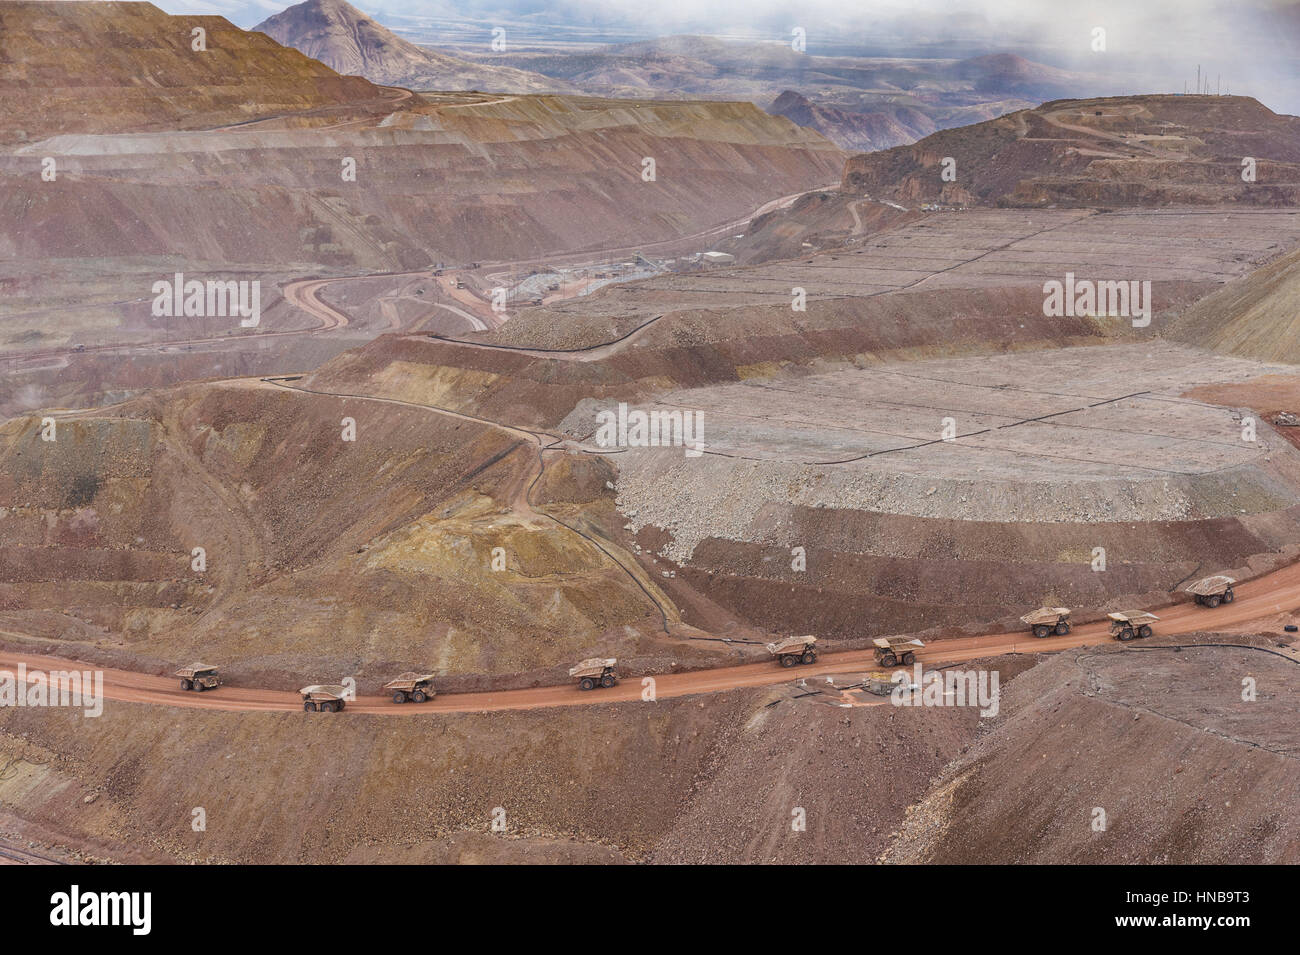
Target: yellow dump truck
794 650
595 671
1048 620
323 697
199 677
1212 591
416 687
891 651
1127 624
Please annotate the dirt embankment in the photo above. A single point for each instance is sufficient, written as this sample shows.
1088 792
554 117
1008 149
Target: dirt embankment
888 547
871 574
1160 741
1151 756
699 347
444 563
427 188
675 780
1258 316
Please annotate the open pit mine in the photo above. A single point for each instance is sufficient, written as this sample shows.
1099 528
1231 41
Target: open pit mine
408 474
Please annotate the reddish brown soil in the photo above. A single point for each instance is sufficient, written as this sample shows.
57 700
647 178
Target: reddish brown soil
1267 396
632 780
1185 770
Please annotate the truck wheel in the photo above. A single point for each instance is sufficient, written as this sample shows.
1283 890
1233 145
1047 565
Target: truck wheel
399 696
1062 629
608 680
1145 631
185 684
1041 631
199 687
1126 634
1214 601
338 706
789 660
418 696
1200 599
888 660
309 706
909 658
808 656
1229 596
587 683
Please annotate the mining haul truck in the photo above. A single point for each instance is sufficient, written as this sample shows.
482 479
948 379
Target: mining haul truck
794 650
1212 591
597 670
199 676
323 697
891 651
1128 624
1048 620
412 686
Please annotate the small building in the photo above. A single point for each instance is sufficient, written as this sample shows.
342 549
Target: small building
717 258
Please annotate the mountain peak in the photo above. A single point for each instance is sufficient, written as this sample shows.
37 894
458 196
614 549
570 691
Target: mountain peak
352 42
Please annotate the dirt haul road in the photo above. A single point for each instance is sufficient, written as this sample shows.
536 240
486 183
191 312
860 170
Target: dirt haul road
1265 597
304 294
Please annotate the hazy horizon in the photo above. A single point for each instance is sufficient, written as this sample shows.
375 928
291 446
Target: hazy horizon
1246 48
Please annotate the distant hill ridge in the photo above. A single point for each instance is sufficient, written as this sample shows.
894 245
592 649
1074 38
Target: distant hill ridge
77 66
352 43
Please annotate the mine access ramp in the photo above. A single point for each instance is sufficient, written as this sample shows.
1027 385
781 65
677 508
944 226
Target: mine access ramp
794 650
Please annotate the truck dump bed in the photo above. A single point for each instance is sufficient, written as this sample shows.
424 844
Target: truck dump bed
592 667
791 645
408 680
897 643
1135 617
1210 586
324 691
193 670
1045 615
